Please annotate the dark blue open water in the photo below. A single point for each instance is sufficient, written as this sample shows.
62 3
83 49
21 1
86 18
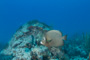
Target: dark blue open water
69 16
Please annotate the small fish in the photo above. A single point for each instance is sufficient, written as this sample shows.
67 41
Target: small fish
53 38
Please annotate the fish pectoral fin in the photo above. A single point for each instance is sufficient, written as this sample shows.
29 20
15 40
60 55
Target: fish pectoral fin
48 41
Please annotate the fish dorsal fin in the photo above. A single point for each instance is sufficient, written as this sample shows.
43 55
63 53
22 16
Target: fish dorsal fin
58 32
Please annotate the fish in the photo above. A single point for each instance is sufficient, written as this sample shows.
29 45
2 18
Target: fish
53 38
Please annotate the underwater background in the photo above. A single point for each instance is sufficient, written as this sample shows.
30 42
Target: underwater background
68 16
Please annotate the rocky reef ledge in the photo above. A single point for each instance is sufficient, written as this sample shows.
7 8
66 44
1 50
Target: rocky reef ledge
25 44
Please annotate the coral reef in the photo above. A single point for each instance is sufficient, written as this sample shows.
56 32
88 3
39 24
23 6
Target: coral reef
86 38
25 44
75 47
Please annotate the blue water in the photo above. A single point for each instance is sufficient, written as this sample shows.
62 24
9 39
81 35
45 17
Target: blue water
68 16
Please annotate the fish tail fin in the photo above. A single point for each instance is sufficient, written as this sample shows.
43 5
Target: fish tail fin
65 37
